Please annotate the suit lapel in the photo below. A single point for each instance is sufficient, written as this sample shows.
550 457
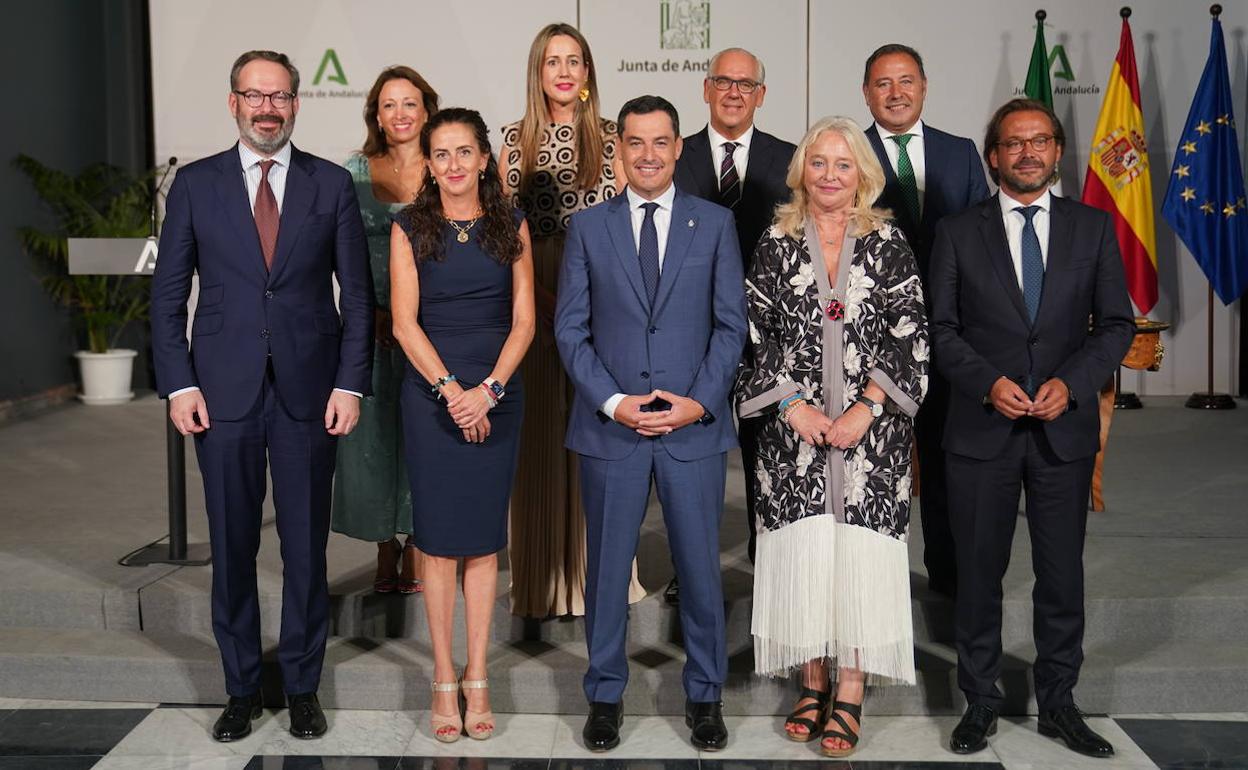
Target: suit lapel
997 247
933 155
679 235
705 175
1061 251
232 191
296 203
620 230
873 136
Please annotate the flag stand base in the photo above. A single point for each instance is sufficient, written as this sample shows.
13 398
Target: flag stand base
1127 401
1210 401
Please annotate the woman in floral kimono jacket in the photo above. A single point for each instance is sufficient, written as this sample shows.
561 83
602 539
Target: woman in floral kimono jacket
832 578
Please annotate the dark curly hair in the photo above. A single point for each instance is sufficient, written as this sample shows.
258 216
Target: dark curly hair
496 231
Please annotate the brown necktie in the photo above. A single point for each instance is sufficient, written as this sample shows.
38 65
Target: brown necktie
266 214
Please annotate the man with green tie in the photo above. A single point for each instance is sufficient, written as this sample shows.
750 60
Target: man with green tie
929 174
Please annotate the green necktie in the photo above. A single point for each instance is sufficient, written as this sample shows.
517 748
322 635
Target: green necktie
905 175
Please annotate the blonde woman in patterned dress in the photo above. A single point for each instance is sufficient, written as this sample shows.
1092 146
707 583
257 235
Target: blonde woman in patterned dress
559 159
840 366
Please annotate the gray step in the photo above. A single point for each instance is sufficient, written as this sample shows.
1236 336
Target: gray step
180 603
538 677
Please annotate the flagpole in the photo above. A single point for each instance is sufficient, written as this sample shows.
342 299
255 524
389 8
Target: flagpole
1208 399
1123 400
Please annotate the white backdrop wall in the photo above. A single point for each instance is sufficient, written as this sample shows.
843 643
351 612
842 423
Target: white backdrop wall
975 51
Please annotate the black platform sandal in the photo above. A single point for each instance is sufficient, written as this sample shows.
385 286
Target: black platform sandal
812 726
845 733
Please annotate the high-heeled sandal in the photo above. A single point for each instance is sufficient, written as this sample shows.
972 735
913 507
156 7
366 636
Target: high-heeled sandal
388 554
408 582
447 728
845 733
474 719
813 726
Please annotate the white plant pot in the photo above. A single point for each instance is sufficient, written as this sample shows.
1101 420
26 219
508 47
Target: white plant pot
106 376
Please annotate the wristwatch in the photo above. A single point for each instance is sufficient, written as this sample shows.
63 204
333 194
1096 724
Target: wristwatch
495 387
876 408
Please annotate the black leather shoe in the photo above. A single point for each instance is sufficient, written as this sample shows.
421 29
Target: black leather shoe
306 718
1067 723
971 734
706 722
671 594
235 721
602 728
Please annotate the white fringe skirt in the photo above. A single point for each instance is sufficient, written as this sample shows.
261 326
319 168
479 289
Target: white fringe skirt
823 589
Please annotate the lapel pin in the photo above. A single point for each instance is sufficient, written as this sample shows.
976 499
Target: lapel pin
691 223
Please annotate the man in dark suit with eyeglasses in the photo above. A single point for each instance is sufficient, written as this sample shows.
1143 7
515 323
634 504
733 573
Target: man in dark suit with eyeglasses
735 164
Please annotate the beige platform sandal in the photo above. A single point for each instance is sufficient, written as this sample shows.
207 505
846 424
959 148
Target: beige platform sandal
447 728
479 724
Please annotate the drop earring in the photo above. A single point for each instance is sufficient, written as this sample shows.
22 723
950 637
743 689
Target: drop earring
584 94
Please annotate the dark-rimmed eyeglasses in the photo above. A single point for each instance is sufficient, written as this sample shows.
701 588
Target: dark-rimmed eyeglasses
1014 145
279 99
722 83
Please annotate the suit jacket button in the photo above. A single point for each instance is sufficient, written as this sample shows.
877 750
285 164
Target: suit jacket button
264 334
645 375
653 329
1034 341
268 295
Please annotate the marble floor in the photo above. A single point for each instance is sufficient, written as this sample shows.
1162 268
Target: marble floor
73 735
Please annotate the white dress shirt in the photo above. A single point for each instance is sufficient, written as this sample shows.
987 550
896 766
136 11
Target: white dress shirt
1014 222
662 224
252 174
740 158
915 149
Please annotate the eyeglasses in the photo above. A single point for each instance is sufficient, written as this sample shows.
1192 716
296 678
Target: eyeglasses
1014 145
279 99
722 83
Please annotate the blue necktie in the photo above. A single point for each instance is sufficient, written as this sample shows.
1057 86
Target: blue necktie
1033 262
648 251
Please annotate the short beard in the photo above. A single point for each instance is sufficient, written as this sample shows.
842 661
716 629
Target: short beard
263 144
1018 185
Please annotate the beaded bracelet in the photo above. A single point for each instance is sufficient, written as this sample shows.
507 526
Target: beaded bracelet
442 382
788 405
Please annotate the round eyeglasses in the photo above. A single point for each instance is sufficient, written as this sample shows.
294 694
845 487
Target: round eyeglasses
279 99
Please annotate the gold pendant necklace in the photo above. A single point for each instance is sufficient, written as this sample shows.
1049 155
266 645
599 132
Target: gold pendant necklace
462 237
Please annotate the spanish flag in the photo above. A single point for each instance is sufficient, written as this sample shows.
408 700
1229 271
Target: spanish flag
1118 179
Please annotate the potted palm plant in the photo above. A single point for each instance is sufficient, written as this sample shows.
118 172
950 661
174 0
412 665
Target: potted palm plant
102 201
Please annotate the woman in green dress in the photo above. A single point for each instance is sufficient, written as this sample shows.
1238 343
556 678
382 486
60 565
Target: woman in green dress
372 499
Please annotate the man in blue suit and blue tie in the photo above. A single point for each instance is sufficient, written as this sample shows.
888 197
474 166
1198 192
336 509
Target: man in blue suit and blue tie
928 175
650 324
267 228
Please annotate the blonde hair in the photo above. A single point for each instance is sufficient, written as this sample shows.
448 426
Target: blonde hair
587 123
863 216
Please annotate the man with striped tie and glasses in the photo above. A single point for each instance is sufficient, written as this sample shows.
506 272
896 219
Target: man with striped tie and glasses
1013 283
928 174
733 163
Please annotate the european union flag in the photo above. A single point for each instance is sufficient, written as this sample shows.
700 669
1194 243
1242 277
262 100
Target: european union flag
1205 198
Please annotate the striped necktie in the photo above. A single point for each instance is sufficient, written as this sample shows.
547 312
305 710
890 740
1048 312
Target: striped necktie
729 182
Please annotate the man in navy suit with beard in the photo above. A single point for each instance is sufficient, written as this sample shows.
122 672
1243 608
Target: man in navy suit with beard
273 373
928 174
1030 318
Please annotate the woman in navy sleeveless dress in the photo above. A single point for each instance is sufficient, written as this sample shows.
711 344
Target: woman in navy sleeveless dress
461 276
